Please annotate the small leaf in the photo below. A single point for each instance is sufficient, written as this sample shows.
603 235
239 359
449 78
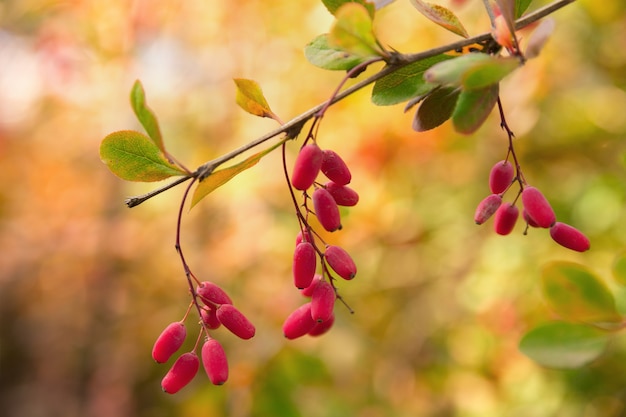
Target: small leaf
441 16
334 5
436 109
520 7
619 269
251 99
539 37
451 71
405 83
473 108
322 55
133 156
576 294
353 32
222 176
491 71
145 115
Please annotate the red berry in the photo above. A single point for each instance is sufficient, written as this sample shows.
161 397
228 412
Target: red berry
212 294
169 341
323 327
486 208
306 167
340 261
308 291
181 373
235 321
209 317
322 301
343 195
303 236
299 322
505 218
335 168
304 264
214 361
501 176
538 207
326 210
569 237
529 219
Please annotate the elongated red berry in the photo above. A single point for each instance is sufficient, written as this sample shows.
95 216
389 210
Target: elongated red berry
299 322
169 341
322 301
505 218
529 220
326 210
209 317
307 166
235 321
501 176
340 261
303 236
343 195
569 237
212 294
335 168
538 207
321 328
214 361
308 291
304 264
181 373
486 208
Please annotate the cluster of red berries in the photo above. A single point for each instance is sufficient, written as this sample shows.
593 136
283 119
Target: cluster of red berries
216 309
536 212
316 317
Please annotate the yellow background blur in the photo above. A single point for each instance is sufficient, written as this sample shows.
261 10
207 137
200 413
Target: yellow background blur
86 284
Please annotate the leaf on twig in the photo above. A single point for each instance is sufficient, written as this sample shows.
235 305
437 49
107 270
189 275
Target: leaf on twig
321 54
520 7
334 5
436 108
353 32
473 107
491 71
250 98
146 116
133 156
441 16
450 72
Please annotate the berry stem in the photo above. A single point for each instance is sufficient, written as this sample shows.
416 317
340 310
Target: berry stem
519 175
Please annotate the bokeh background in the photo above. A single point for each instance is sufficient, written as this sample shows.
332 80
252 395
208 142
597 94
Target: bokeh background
86 284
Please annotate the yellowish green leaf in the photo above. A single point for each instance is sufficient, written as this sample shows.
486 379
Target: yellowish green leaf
321 54
146 116
441 16
353 32
250 98
490 71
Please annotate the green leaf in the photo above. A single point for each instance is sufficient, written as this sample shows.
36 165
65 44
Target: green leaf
321 54
451 71
133 156
405 83
491 71
520 7
334 5
564 345
441 16
576 294
353 32
145 115
619 269
473 108
250 98
436 109
222 176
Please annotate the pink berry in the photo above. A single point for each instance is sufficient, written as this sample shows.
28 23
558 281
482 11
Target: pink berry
529 219
307 166
486 208
303 236
299 322
308 291
304 264
501 176
181 373
214 361
340 262
211 294
505 218
169 341
209 318
538 207
323 327
322 301
342 194
235 321
335 168
569 237
326 210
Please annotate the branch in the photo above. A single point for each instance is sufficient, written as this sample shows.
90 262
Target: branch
397 61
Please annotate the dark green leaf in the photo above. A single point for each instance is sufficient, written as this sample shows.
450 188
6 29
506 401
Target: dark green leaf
564 345
436 108
405 83
145 115
576 294
353 32
135 157
520 7
334 5
473 108
322 55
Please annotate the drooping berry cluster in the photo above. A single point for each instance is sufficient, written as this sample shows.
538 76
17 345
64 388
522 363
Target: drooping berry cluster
216 309
316 316
537 211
